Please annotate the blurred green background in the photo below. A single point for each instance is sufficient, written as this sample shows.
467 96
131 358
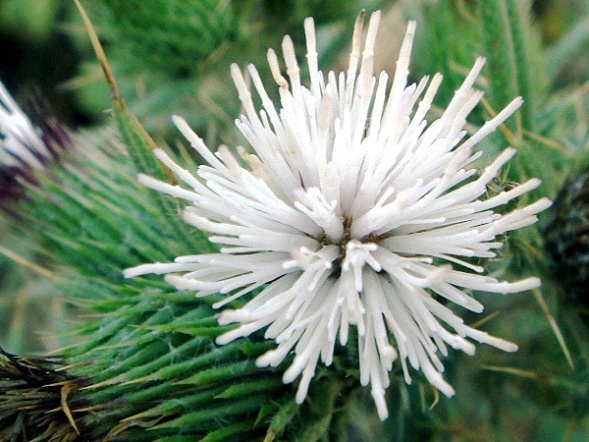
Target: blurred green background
44 45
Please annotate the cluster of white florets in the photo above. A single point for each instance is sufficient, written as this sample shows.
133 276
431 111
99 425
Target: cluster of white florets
352 211
21 142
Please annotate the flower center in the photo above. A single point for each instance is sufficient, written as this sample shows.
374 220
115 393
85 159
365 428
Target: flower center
325 240
353 253
341 253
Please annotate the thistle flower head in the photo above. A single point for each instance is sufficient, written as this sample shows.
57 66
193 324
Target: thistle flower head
352 211
26 146
567 237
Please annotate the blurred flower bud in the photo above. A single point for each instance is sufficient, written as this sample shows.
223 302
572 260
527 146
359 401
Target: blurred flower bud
567 236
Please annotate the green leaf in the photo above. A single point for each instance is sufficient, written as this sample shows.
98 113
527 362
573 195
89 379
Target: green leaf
206 418
281 419
514 68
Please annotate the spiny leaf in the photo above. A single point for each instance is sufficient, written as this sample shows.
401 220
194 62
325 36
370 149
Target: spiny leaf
139 143
240 368
575 40
502 61
515 69
229 432
251 387
281 419
206 419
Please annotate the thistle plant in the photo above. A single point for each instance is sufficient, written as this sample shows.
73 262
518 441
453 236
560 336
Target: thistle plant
25 146
323 264
566 232
341 214
158 66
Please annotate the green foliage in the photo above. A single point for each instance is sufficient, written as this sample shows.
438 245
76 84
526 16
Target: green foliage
503 51
173 38
149 352
31 20
174 56
32 402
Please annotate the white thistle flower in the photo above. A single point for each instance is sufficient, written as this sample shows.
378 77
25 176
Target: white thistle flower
347 201
21 142
26 145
